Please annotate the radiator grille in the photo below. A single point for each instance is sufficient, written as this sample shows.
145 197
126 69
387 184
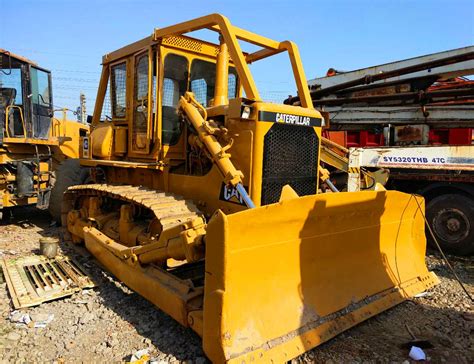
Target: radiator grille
290 156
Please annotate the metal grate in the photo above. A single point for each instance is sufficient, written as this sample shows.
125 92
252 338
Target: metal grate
141 77
106 113
35 279
290 156
174 86
141 98
232 83
171 92
203 80
119 89
200 89
184 43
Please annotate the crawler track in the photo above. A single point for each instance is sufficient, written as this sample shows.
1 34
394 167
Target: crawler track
169 209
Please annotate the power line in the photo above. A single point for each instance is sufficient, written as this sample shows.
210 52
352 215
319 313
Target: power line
73 87
74 71
77 79
58 53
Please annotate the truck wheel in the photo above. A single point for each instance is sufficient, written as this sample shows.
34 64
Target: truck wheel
68 173
451 218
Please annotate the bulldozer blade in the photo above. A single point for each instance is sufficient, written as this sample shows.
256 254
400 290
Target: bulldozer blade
284 278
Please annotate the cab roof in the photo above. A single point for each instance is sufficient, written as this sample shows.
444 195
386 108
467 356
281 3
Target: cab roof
17 57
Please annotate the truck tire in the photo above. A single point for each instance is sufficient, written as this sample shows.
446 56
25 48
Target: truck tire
68 173
451 217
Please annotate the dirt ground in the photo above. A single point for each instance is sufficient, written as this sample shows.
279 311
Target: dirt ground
110 322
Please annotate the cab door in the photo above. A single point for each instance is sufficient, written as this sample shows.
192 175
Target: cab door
41 103
142 103
174 84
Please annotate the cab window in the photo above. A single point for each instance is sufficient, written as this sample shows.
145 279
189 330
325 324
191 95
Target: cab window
119 88
203 80
140 113
175 81
41 102
10 88
40 87
11 94
233 83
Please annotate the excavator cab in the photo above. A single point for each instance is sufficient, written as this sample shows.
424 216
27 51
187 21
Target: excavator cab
204 200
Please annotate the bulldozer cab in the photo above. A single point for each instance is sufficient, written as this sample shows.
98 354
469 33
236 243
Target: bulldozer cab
26 107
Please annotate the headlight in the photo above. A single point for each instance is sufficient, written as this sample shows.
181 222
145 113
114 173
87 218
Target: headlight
246 111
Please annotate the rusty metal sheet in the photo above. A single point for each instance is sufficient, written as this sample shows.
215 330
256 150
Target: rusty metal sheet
449 70
411 135
35 279
359 117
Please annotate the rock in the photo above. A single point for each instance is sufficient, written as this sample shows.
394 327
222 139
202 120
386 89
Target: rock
36 317
87 317
459 346
112 342
70 345
147 341
13 336
158 360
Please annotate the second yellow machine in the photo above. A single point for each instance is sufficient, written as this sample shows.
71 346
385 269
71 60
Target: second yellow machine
38 152
206 202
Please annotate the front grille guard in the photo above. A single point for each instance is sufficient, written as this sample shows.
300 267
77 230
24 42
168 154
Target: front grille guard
290 156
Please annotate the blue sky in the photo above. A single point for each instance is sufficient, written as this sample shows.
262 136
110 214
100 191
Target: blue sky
70 37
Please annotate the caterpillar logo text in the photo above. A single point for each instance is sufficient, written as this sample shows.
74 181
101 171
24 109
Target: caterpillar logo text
277 117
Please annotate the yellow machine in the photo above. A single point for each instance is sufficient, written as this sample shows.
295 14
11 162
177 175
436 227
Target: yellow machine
205 202
33 144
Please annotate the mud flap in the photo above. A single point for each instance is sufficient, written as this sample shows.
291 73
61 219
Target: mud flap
283 278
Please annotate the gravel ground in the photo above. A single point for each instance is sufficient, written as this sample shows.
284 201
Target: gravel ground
110 322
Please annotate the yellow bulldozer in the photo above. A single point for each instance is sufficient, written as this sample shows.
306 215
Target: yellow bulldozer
38 152
204 200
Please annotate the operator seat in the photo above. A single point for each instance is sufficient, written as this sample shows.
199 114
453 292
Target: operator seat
15 125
